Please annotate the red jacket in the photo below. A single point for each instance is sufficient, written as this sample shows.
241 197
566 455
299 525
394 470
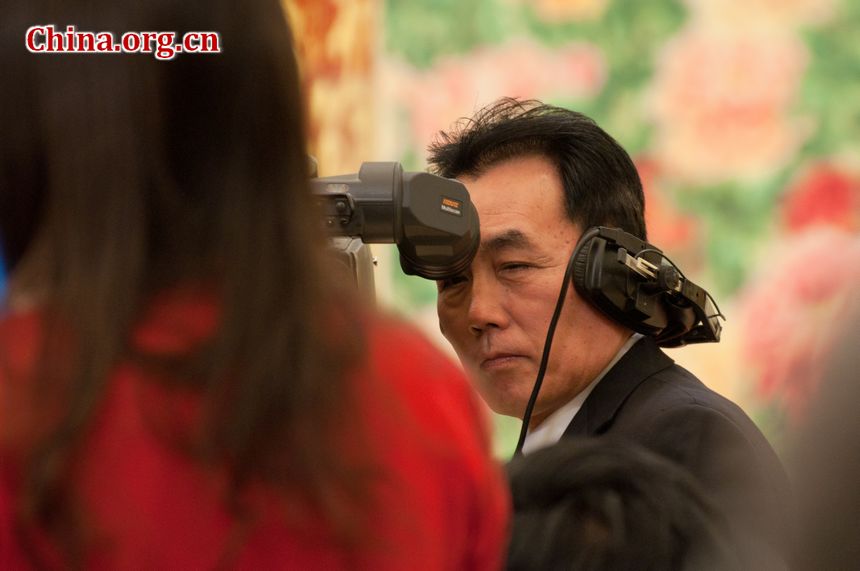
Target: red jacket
442 504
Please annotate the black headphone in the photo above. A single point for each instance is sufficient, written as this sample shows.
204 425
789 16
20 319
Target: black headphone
633 283
636 285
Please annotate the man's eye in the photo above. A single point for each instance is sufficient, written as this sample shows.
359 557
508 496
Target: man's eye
450 282
514 266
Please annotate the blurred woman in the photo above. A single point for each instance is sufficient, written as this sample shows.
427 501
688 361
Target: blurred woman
182 384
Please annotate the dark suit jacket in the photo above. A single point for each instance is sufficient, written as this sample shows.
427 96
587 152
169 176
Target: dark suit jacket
647 399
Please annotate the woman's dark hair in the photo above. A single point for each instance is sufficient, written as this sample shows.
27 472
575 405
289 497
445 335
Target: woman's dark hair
122 177
601 184
600 505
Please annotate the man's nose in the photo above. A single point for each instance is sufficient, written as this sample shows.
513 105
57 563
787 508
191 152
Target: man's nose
486 305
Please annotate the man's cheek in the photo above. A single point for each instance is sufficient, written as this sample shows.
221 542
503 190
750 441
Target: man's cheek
450 328
444 320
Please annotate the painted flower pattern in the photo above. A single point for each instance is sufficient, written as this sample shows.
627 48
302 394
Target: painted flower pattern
740 114
456 87
720 104
791 311
824 195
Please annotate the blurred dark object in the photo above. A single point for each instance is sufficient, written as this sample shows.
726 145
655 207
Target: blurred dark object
600 504
825 464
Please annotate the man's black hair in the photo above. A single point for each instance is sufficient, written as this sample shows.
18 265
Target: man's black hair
601 184
600 505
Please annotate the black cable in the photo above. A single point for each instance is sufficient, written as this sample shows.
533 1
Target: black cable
584 239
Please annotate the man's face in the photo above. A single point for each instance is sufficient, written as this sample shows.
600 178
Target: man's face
496 315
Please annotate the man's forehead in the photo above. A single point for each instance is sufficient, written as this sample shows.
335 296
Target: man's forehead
524 239
509 238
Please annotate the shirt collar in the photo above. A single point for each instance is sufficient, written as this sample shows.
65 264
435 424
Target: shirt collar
551 429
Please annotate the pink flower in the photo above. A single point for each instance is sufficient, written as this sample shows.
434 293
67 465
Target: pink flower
719 103
791 310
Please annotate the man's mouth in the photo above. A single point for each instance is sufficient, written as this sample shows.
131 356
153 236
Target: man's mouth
499 361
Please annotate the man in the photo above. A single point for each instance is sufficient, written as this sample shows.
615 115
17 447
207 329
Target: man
539 176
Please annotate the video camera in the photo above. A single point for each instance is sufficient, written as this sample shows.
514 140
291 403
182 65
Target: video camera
431 220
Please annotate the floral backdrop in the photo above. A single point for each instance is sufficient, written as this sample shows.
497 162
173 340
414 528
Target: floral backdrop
743 117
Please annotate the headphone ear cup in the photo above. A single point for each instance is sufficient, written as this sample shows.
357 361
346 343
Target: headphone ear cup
580 266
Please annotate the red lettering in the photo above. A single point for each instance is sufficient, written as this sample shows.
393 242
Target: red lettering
165 49
53 40
33 43
191 42
130 42
105 42
197 42
148 39
46 38
211 42
85 41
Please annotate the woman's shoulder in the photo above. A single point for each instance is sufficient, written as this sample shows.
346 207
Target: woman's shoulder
21 332
432 389
395 346
21 345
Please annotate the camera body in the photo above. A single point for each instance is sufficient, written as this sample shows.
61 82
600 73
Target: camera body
431 219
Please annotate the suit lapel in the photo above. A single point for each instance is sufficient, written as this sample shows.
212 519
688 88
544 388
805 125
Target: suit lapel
640 362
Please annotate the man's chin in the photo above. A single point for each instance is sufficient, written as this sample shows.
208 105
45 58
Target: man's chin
506 392
505 402
508 409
